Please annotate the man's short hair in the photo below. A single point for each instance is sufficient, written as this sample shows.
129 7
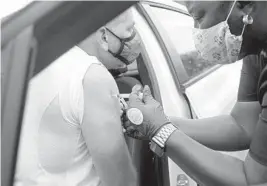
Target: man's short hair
122 18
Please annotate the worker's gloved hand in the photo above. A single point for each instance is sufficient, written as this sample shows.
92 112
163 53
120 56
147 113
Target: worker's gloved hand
153 114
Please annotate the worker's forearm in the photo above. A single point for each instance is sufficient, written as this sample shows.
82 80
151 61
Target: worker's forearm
206 166
219 133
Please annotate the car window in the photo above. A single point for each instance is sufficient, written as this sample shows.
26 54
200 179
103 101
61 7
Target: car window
179 28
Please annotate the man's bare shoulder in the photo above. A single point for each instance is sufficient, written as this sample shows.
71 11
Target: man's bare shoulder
98 79
99 100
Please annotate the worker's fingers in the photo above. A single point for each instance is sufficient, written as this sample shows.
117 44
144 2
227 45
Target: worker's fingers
147 96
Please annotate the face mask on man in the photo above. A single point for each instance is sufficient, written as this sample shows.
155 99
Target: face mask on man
130 48
217 44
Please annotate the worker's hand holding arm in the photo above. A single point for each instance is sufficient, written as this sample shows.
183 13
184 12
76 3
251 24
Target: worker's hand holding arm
206 166
102 129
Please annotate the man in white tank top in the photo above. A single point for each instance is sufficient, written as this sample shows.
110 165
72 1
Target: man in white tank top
71 133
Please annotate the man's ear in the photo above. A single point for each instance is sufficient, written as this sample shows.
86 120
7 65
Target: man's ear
246 7
102 38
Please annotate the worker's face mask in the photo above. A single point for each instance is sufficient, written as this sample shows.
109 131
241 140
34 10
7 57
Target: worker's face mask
217 44
130 48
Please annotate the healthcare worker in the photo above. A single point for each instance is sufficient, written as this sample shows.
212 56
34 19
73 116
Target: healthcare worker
224 32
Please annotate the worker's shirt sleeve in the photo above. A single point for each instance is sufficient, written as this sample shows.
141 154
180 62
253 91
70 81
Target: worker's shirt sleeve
249 79
258 146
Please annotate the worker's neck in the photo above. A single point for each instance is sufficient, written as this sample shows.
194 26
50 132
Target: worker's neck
252 47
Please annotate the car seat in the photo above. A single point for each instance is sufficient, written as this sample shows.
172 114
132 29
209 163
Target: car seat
125 84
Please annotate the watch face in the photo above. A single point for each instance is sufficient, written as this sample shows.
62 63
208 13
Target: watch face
135 116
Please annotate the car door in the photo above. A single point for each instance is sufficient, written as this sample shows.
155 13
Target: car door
169 94
31 39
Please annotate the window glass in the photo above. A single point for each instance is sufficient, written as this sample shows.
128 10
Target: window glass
179 28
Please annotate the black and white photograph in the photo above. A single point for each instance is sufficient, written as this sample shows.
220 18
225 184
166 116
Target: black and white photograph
133 93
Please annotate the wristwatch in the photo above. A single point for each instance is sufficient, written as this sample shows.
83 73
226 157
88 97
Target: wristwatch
158 141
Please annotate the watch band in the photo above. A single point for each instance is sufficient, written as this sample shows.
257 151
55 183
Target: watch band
157 144
164 133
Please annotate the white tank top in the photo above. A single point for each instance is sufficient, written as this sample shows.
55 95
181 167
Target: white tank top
52 150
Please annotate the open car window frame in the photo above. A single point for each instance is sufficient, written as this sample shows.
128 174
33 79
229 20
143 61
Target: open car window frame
175 58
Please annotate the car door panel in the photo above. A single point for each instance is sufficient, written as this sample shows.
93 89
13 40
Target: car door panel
17 72
216 95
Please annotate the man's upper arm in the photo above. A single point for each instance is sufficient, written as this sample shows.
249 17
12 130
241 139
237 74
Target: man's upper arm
101 127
